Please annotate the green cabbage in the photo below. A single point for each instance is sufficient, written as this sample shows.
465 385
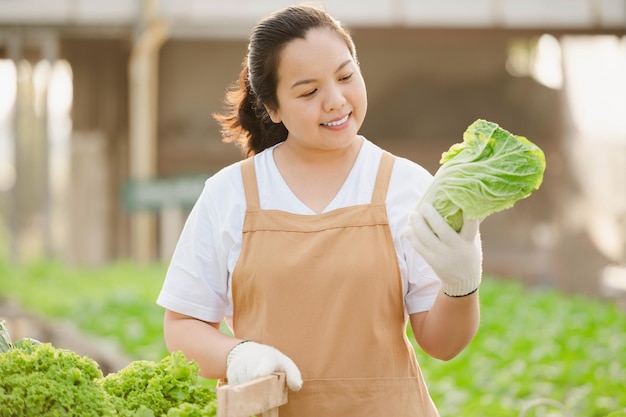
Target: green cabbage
488 172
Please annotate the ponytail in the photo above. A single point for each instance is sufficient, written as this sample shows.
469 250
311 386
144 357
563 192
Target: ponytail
245 122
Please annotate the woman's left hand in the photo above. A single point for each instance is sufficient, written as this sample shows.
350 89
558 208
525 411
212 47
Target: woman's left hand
455 257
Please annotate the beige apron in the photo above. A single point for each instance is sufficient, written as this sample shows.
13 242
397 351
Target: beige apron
326 291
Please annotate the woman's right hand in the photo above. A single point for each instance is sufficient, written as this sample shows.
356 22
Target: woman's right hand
250 360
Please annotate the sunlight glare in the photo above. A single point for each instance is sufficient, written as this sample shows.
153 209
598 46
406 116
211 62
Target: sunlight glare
8 86
546 65
596 85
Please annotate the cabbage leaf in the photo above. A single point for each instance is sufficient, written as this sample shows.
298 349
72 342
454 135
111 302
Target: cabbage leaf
488 172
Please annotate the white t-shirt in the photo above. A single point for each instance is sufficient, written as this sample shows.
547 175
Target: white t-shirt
198 280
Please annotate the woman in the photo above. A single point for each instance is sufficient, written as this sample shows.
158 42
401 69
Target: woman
310 248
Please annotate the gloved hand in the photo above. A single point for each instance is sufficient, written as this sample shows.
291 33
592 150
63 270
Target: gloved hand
455 257
250 360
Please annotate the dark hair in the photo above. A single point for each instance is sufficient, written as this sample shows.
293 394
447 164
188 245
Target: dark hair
245 120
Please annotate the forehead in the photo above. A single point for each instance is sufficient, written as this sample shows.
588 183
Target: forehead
321 50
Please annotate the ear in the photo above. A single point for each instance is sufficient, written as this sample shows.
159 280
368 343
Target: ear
273 114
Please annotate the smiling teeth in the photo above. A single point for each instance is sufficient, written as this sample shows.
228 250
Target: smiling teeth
338 122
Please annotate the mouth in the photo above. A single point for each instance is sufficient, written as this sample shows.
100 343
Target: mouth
337 122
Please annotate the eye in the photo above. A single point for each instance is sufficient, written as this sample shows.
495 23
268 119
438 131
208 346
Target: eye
310 93
347 77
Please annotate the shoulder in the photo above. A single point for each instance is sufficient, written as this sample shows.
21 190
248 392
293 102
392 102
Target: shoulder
225 177
406 174
228 181
225 183
409 174
222 194
225 187
408 183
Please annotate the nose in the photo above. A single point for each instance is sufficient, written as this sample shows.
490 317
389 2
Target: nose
335 99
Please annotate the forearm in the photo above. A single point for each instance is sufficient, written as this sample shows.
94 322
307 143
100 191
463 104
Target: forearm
449 326
200 341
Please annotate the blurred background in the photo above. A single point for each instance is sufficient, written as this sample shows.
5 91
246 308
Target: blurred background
107 136
106 133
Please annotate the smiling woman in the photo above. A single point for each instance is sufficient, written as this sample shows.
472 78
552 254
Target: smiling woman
319 84
275 243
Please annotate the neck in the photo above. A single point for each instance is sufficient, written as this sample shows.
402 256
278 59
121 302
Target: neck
319 156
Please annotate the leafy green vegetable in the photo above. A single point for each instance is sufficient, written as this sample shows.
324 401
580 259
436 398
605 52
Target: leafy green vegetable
5 338
26 343
146 388
38 379
488 172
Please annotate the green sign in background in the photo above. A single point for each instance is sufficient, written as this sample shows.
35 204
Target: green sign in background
156 194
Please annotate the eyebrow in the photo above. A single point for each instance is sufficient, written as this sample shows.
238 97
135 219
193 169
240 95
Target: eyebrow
310 80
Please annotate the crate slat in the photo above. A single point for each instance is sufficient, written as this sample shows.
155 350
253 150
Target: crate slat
261 396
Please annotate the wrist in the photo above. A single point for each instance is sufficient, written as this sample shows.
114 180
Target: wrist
233 352
461 288
460 296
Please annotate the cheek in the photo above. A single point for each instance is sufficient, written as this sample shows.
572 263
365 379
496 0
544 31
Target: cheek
360 95
294 114
363 89
359 91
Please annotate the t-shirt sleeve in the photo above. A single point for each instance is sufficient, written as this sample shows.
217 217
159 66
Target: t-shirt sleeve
423 283
196 282
420 283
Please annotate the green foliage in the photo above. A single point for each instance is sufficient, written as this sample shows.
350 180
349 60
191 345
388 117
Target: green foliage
150 388
116 302
487 172
535 344
41 380
532 343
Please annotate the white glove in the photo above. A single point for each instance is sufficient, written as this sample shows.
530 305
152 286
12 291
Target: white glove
455 257
250 360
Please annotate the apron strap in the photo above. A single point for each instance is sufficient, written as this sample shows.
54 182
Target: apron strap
382 178
249 183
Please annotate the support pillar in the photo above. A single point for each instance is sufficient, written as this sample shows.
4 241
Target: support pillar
143 80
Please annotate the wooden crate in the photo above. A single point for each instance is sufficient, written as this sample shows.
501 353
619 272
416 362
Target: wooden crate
262 396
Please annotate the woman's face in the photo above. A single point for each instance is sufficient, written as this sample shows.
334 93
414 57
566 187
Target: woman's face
321 95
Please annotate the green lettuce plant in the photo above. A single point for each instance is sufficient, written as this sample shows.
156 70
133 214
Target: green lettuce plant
40 380
488 172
